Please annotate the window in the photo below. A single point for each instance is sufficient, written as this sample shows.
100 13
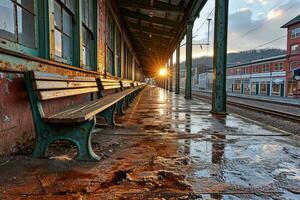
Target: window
88 33
278 67
296 33
118 52
255 69
17 22
237 85
295 49
266 68
242 71
110 40
129 65
263 87
63 21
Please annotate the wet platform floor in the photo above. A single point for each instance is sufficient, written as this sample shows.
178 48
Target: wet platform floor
168 148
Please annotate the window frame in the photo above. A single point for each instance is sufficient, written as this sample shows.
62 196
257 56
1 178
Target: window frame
118 52
110 48
94 33
73 34
15 45
296 51
295 33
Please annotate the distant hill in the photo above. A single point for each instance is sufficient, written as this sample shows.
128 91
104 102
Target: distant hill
237 58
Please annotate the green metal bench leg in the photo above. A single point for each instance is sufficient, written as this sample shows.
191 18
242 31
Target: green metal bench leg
85 151
120 110
130 98
41 147
108 115
127 101
79 135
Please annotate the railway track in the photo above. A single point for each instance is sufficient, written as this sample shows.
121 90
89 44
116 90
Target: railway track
276 113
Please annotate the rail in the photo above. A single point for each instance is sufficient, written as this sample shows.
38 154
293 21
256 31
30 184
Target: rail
281 114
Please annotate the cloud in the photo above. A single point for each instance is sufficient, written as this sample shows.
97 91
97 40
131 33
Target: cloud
246 33
262 2
275 13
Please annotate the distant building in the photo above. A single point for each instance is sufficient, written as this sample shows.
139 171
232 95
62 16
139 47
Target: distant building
293 56
205 80
260 77
273 76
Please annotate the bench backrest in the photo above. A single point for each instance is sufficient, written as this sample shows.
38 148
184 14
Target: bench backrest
52 86
127 83
109 84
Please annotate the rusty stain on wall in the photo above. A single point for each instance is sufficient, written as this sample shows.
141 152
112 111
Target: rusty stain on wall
17 126
16 122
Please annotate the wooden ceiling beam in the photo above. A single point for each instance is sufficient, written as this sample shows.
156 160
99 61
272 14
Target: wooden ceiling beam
147 18
156 38
150 30
146 4
151 42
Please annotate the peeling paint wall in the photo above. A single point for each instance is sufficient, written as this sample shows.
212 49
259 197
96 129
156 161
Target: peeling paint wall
16 123
16 126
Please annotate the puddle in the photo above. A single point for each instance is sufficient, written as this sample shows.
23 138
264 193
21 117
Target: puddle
169 146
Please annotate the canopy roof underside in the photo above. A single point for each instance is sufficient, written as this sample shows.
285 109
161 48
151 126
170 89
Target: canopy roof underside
156 26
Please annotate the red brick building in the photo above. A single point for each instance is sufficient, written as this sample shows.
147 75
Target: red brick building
293 56
259 77
274 76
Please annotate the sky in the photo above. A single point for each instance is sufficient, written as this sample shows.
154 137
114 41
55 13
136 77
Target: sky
253 24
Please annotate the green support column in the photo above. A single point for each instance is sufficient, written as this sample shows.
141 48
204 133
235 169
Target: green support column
171 74
77 38
220 58
44 28
189 51
167 77
177 75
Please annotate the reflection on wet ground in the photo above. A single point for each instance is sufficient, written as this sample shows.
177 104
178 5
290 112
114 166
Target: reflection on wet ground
169 148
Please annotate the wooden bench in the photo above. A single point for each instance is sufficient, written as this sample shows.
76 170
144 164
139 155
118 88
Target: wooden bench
73 123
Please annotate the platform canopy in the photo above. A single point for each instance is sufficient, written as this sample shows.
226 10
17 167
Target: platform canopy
157 26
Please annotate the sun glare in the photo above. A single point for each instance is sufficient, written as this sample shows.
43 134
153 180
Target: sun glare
163 72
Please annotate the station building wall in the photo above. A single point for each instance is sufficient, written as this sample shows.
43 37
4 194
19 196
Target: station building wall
17 57
293 50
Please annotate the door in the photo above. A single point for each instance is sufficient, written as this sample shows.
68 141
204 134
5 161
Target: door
268 89
281 90
257 88
242 88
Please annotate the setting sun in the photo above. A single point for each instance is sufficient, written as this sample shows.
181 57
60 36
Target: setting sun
163 72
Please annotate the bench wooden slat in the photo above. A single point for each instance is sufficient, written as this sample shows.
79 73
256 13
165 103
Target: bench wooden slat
94 108
46 95
44 85
111 84
109 80
85 111
37 75
110 87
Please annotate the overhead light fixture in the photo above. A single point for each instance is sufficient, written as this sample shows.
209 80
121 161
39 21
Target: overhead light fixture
150 35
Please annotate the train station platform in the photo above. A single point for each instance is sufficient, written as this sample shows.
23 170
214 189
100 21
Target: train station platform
166 147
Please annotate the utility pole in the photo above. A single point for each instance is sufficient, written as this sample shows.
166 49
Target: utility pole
207 51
